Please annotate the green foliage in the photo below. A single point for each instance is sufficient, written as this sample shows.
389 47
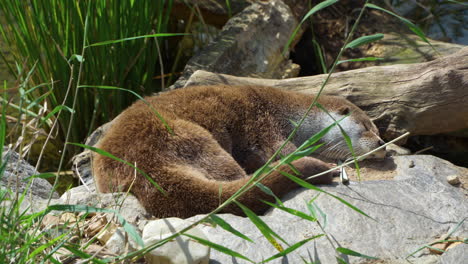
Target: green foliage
312 11
122 46
219 248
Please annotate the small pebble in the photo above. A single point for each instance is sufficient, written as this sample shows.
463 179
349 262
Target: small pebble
453 180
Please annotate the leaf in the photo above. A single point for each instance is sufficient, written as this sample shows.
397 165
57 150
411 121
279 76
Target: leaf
159 35
55 110
46 175
107 154
312 11
226 226
360 59
408 23
77 57
268 191
41 248
314 208
341 261
291 248
350 252
219 248
83 255
457 2
312 187
300 154
364 40
315 138
262 227
293 212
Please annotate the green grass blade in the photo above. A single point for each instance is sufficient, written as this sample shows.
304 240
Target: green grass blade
360 59
293 212
457 2
55 110
315 138
226 226
219 248
83 255
46 175
107 154
408 23
312 187
158 35
341 261
312 11
268 191
314 208
44 246
262 227
302 153
3 125
291 248
364 40
350 252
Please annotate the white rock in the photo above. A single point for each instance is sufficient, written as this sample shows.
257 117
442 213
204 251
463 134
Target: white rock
182 250
119 243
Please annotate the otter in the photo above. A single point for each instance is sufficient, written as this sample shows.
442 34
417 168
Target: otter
220 135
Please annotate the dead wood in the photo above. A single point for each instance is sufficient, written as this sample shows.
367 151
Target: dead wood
423 99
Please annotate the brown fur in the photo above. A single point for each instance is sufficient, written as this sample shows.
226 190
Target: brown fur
221 134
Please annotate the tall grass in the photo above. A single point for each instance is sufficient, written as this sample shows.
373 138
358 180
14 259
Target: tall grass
50 35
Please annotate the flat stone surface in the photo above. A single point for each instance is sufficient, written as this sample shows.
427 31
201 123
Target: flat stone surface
407 213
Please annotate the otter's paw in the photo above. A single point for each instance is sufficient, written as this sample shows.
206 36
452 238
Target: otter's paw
309 166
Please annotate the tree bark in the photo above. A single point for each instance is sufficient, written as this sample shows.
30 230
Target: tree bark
423 99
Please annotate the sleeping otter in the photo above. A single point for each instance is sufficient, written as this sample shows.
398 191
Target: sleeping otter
221 134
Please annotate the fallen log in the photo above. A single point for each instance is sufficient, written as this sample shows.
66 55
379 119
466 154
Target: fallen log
423 99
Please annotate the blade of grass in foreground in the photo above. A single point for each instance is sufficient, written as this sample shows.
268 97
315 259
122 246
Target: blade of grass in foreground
268 191
293 212
226 226
107 154
312 187
262 227
350 252
219 248
107 42
83 255
291 248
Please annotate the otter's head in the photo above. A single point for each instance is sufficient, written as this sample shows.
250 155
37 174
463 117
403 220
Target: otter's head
363 133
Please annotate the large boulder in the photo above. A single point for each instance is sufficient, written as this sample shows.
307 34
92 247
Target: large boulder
411 211
250 44
17 177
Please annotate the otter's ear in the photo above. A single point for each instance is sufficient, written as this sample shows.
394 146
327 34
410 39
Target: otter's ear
344 110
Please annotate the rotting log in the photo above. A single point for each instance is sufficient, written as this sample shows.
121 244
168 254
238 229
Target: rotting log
423 98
